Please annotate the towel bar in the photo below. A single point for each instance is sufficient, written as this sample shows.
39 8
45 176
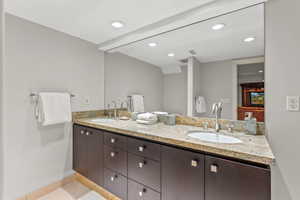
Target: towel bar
32 94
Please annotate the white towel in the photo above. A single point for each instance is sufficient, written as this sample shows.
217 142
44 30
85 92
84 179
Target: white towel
53 108
147 117
200 105
137 103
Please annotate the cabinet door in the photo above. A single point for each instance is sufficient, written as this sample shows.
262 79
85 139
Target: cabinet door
94 143
80 158
228 180
182 175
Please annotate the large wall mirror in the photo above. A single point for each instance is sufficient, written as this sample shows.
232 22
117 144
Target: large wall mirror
187 70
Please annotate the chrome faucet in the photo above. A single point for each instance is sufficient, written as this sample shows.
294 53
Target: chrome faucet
114 103
217 110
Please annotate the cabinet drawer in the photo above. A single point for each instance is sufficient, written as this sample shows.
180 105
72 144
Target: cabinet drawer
137 192
144 148
144 171
115 140
115 159
115 183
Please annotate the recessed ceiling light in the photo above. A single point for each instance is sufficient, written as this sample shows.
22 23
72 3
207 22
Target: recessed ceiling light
117 24
261 71
249 39
218 27
152 44
171 54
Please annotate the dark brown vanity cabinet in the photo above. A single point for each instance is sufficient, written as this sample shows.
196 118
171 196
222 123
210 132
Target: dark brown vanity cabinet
229 180
182 174
136 169
88 153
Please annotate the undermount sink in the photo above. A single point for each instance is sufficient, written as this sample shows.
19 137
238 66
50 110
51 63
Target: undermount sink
102 120
213 137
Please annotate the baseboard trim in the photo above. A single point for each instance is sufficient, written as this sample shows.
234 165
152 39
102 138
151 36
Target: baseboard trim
93 186
47 189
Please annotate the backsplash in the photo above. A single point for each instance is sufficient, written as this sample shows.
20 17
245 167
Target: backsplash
238 126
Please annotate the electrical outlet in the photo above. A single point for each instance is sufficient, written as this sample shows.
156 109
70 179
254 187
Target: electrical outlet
292 103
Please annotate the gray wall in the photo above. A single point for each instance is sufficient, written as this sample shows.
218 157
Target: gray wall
175 92
215 79
125 75
1 90
38 57
282 79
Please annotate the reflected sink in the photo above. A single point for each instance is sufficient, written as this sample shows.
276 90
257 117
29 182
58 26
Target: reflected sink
213 137
102 120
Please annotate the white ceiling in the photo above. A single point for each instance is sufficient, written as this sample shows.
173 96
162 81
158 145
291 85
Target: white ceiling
210 45
91 19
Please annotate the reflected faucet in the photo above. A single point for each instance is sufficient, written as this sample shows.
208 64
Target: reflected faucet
114 103
217 110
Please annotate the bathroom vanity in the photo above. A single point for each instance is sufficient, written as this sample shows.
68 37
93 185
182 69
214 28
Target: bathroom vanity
141 162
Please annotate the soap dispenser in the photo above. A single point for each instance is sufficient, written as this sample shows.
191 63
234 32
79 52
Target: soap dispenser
250 124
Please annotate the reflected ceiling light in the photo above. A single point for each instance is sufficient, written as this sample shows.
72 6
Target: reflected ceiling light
249 39
261 71
218 27
171 54
117 24
152 44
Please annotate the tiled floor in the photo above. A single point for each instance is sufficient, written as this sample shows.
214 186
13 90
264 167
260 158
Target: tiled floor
72 191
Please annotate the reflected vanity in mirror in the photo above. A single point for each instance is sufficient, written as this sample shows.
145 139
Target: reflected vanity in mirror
190 70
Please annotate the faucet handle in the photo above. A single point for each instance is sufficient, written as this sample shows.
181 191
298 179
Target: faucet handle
205 125
230 127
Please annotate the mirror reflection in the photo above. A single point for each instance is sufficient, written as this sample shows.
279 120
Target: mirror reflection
214 67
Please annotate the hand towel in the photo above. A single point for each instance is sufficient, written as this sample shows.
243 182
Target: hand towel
200 105
53 108
137 103
147 117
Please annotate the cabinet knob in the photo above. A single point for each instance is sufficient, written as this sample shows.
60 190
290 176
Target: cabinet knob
112 140
112 154
141 193
82 132
141 148
113 178
87 133
142 164
214 168
194 163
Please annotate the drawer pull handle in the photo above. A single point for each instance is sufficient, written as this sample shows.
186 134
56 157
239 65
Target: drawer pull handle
141 193
112 140
113 178
82 132
112 154
142 164
88 133
214 168
194 163
141 148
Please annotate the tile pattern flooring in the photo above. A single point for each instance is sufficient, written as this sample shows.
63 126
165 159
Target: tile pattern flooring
72 191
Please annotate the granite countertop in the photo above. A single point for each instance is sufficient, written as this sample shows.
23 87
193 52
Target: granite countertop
253 148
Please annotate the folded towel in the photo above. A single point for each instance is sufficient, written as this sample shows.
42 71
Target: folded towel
200 105
138 103
53 108
147 117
